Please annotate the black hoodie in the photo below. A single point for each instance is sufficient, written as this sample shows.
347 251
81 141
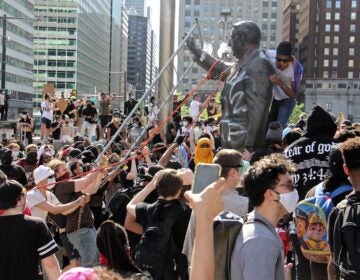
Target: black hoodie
311 152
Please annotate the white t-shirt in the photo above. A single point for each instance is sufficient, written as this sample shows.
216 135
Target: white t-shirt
194 108
47 114
287 76
35 197
2 100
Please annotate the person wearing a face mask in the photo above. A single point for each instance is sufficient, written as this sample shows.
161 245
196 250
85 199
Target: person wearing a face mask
113 126
41 201
25 125
12 171
136 131
258 252
185 128
67 131
29 163
79 225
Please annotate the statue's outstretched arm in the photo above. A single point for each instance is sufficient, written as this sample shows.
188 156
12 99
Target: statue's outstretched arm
206 61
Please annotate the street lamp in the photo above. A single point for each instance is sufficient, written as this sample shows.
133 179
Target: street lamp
224 48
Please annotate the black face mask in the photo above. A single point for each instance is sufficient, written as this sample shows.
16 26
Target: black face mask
31 157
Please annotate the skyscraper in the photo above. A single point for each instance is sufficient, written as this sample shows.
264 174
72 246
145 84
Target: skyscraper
216 18
19 54
141 53
328 51
140 6
71 46
291 24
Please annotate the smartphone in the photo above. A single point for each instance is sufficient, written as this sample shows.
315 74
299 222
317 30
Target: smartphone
205 174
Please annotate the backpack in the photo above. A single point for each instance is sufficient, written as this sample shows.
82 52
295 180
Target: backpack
311 219
227 227
346 238
156 251
117 203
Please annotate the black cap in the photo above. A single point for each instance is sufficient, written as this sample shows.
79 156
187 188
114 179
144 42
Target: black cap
75 153
284 48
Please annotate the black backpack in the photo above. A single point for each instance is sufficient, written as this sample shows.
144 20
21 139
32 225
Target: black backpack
346 238
227 227
119 200
156 251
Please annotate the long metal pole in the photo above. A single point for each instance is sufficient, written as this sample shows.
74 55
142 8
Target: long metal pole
167 26
124 123
3 60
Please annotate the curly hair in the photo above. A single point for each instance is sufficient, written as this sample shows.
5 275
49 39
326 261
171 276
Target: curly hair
264 174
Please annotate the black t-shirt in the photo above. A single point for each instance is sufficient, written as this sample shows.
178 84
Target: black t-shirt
89 114
180 226
56 132
69 108
111 126
14 172
23 241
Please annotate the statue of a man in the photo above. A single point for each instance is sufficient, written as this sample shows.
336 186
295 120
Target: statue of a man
247 93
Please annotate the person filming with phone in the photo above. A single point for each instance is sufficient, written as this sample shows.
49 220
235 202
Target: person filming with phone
25 125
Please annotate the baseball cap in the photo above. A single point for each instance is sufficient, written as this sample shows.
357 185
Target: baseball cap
10 191
274 132
42 173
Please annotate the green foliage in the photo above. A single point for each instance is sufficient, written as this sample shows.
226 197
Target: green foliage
297 113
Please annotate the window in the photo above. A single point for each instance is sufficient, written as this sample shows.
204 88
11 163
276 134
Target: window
336 28
335 51
352 39
335 63
328 4
336 39
353 4
352 28
334 74
326 51
326 63
350 75
337 4
327 27
326 74
353 16
351 51
337 16
351 63
327 39
328 16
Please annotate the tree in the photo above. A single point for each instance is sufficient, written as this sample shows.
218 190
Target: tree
297 113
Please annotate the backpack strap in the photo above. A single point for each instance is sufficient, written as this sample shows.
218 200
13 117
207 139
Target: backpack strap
341 190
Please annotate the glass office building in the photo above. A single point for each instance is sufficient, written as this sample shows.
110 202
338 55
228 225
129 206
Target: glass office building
71 46
19 54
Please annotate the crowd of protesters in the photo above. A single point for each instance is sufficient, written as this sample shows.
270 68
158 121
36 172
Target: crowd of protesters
129 214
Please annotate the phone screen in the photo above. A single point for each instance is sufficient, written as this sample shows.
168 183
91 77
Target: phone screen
205 174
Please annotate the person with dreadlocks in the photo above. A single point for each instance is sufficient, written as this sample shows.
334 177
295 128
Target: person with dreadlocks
113 245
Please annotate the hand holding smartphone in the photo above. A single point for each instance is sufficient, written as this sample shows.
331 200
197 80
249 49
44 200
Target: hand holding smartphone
205 174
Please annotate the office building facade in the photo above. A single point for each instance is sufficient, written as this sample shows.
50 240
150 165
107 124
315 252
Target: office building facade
328 49
19 54
71 46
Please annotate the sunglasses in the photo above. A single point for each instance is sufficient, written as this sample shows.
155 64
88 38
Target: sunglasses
50 177
283 60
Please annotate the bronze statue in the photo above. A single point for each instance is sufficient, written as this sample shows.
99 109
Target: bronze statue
247 93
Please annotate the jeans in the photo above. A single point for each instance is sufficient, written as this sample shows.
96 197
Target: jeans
84 241
91 130
281 110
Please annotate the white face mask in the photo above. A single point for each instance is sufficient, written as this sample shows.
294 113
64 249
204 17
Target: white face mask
51 181
15 154
289 200
185 123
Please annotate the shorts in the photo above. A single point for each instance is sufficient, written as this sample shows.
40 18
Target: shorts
71 252
47 122
104 120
